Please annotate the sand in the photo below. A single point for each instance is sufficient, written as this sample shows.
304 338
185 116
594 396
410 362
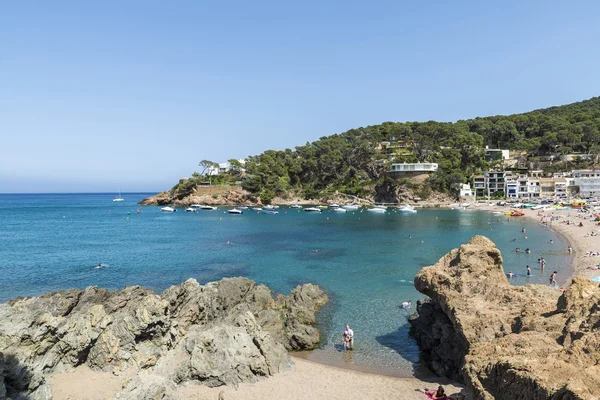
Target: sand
307 380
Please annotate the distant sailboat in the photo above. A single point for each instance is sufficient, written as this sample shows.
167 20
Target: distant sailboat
119 198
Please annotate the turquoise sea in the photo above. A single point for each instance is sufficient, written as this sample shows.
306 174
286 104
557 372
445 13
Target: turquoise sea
366 262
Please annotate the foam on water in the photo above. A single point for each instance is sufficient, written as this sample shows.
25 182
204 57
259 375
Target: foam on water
365 261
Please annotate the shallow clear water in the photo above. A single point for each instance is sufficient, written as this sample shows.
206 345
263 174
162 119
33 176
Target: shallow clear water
365 261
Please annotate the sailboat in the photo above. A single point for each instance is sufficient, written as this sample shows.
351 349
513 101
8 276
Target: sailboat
119 198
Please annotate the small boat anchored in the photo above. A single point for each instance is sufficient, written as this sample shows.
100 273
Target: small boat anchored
235 211
168 209
208 208
190 209
407 209
312 209
119 198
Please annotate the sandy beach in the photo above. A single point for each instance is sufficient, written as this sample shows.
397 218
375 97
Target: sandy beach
306 380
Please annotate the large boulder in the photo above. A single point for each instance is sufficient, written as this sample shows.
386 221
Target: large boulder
507 342
221 333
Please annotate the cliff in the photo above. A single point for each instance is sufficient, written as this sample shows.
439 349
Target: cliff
222 333
507 342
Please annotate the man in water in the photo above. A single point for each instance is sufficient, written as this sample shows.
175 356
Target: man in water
528 271
406 304
510 274
99 266
350 337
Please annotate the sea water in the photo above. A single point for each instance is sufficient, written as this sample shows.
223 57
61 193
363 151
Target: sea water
365 261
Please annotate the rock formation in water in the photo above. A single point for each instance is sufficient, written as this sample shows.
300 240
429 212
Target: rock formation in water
222 333
507 342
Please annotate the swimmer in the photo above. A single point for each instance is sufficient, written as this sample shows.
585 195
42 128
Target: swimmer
406 304
228 242
551 241
99 266
510 274
527 251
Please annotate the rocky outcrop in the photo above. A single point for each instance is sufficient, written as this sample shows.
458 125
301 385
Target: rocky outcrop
210 195
507 342
222 333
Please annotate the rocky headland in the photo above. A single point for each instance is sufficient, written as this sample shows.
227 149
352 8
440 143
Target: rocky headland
221 333
507 342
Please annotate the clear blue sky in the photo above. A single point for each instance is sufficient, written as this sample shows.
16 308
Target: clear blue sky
130 95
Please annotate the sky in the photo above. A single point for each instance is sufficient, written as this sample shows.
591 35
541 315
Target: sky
112 95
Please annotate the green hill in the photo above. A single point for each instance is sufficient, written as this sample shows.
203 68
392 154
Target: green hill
355 162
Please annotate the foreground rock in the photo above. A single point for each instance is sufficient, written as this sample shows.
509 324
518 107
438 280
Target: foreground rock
507 342
222 333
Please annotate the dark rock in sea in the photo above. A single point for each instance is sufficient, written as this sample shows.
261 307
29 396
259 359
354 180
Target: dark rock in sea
222 333
507 342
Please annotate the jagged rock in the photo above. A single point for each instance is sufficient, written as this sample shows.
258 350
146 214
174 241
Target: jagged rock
504 341
224 332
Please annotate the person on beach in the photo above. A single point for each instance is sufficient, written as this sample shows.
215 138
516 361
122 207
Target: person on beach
553 279
570 250
350 337
439 394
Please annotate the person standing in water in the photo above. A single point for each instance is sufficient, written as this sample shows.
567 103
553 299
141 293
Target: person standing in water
528 271
553 279
350 337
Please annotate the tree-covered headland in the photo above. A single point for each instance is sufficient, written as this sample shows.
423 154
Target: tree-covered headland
356 162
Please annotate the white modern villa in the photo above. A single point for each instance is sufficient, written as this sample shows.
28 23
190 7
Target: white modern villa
414 168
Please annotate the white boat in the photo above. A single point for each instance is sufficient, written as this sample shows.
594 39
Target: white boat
351 207
235 211
119 198
242 207
312 209
407 209
340 209
208 208
295 206
168 209
381 207
194 206
377 210
334 206
257 209
190 209
268 207
270 212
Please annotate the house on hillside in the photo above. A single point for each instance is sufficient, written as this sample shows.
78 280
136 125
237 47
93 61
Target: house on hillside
411 169
223 168
496 154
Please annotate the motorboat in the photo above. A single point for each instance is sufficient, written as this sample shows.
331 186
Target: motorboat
351 207
295 206
242 207
235 211
168 209
334 206
340 210
270 211
195 206
312 209
208 208
190 209
377 210
268 207
119 198
257 209
381 207
407 209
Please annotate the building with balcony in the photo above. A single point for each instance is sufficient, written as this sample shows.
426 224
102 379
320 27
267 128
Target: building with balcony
406 169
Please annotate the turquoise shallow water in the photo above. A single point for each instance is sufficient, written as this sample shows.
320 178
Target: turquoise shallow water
365 261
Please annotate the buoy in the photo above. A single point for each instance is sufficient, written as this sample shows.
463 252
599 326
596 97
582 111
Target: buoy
220 218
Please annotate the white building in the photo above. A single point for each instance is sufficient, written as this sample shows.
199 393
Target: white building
223 168
496 154
588 181
407 168
465 190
